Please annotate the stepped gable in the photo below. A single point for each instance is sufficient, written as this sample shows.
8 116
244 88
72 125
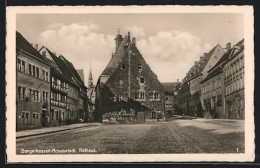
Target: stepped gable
217 68
221 60
202 65
27 48
117 57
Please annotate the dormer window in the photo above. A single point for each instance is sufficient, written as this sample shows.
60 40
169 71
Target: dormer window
123 66
140 67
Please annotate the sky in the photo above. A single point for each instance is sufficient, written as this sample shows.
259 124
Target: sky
170 43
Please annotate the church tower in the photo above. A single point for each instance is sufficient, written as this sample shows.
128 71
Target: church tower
90 79
118 39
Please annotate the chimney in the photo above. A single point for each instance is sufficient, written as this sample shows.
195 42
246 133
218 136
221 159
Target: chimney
112 55
201 57
205 54
35 46
228 47
177 80
134 41
129 36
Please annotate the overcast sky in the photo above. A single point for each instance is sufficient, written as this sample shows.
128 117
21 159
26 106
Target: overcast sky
170 43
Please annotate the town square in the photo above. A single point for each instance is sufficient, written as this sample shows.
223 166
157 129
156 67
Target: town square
130 83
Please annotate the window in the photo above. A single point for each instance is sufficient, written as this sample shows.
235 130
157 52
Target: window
27 115
120 97
33 71
20 65
166 98
30 69
23 114
123 66
47 76
156 96
43 74
139 67
37 72
34 95
153 115
121 82
141 80
34 115
21 93
231 87
140 95
44 96
37 116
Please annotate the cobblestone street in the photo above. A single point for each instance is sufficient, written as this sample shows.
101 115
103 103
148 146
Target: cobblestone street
176 136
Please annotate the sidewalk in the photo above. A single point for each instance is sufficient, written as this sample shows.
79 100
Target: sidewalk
41 131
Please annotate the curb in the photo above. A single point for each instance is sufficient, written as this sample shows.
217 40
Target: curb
50 132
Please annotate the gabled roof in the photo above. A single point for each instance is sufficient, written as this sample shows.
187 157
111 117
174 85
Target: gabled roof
202 64
24 46
55 68
117 57
71 71
218 67
169 86
221 60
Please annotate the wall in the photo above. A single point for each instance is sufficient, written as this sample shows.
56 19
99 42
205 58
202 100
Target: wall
28 106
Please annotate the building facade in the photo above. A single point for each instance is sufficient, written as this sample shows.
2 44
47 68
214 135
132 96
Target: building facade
59 89
33 87
212 95
189 92
223 88
170 98
234 74
128 87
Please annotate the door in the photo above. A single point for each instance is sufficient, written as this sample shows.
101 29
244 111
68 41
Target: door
43 118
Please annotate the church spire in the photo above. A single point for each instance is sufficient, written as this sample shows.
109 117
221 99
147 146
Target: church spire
90 79
118 39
